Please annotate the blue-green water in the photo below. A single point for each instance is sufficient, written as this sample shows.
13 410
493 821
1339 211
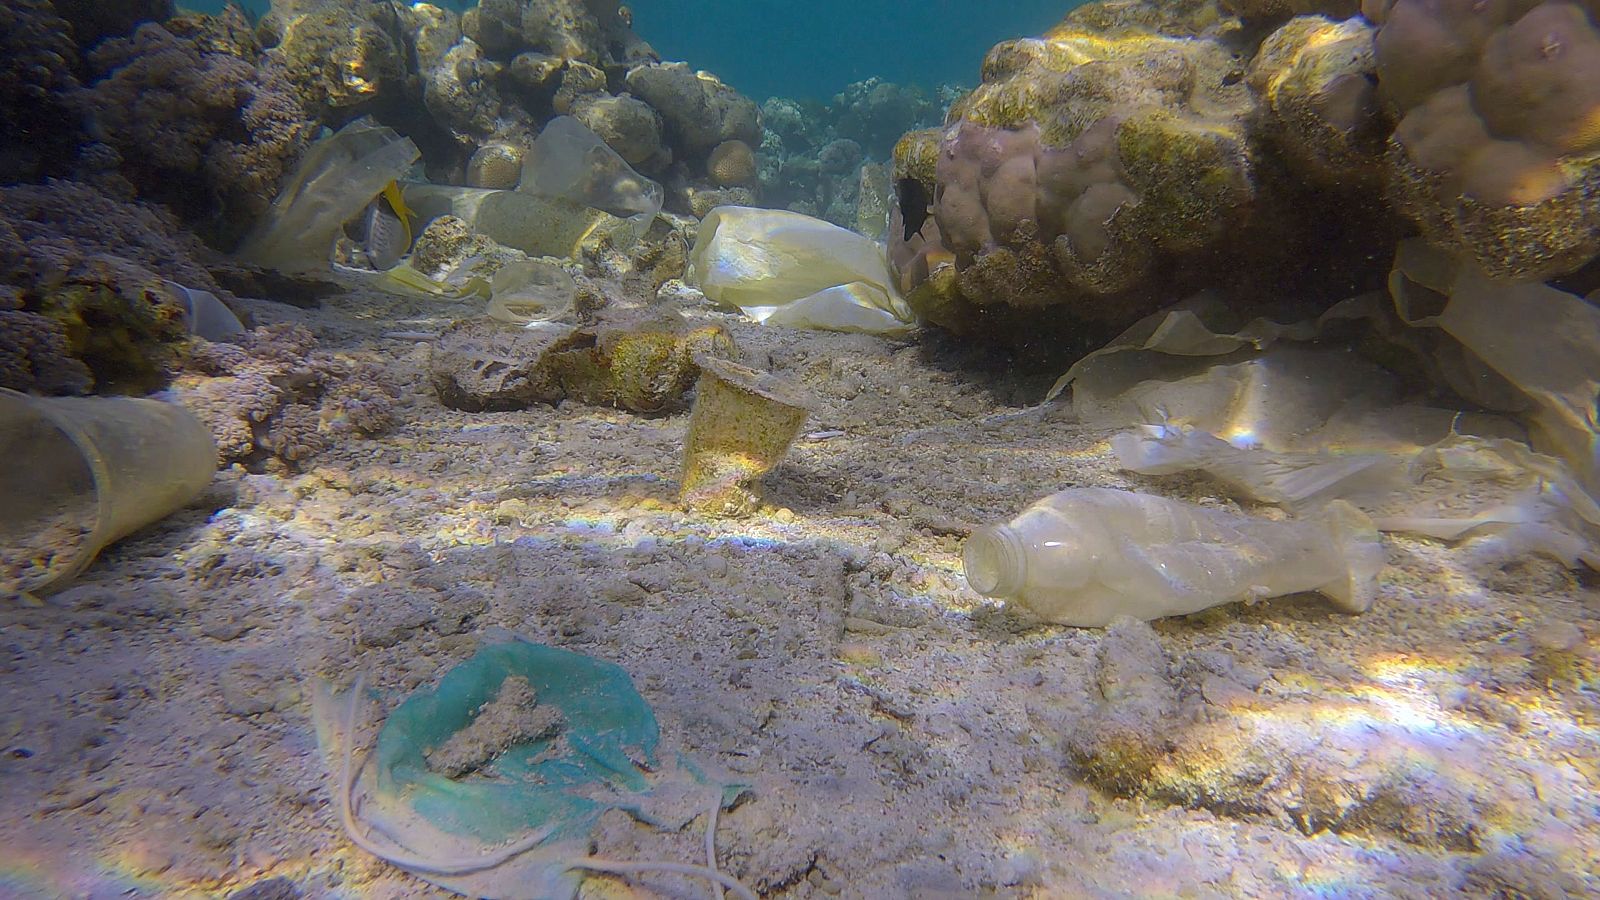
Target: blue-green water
812 50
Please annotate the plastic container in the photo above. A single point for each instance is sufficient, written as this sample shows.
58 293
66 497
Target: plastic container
81 472
741 427
1085 556
538 226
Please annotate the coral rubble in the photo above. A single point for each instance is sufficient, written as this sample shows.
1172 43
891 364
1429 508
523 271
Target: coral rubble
86 302
201 129
274 401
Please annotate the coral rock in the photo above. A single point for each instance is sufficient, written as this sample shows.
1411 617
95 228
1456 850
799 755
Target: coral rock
731 163
589 31
699 111
482 365
206 132
1082 162
1316 79
1497 153
335 54
37 74
277 400
94 20
627 125
460 94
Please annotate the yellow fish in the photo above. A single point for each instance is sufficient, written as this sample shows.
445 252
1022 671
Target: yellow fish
391 194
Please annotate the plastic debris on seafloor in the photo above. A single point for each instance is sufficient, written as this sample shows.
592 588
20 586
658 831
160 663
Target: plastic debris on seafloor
1085 556
529 291
1281 420
492 783
334 182
785 268
1543 341
205 313
535 224
82 472
742 425
569 161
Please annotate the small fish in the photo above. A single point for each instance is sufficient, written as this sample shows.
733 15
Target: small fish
385 229
397 202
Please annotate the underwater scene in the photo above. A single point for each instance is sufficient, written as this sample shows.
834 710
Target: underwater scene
552 449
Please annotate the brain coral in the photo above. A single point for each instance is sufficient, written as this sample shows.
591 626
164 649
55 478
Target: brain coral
1497 151
731 163
1083 161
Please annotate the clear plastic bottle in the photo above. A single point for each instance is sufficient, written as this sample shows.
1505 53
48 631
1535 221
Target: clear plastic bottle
1087 555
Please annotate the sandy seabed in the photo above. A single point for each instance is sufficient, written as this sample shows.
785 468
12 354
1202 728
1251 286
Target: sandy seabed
902 736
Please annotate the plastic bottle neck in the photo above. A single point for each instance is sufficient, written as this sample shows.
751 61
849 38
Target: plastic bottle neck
995 561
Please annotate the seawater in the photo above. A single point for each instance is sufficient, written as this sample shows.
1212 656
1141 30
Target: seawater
768 48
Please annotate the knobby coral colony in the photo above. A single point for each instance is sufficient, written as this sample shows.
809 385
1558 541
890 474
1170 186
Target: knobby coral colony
1139 150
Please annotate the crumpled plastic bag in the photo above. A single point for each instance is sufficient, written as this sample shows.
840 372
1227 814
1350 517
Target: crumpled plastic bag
1282 420
520 827
333 182
784 268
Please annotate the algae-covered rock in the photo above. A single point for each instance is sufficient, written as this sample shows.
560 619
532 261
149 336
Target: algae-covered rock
130 336
639 360
1083 162
1316 78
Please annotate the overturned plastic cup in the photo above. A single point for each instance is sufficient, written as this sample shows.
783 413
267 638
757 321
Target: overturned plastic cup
82 472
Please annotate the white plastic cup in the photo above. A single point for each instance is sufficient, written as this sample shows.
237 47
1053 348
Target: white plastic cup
81 472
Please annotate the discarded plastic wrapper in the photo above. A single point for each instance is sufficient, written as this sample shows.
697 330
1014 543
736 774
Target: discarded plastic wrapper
1085 556
206 315
82 472
519 824
335 181
784 268
1544 341
570 162
536 225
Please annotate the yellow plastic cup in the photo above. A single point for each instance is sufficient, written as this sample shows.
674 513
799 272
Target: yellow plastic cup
81 472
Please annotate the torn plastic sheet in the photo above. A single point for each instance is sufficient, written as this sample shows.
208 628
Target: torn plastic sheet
1544 341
